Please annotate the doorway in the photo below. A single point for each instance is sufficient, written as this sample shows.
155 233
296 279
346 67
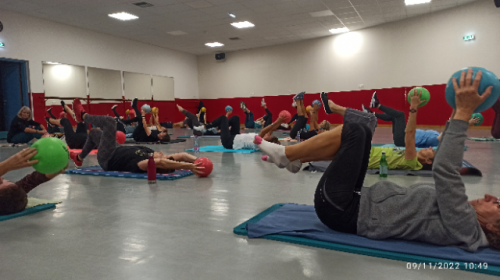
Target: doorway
13 90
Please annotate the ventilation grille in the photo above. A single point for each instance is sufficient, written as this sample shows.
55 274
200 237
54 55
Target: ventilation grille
143 4
234 38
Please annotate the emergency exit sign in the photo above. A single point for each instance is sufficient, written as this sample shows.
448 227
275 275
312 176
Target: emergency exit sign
2 45
469 37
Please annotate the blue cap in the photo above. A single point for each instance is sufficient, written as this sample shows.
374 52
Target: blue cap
229 108
317 102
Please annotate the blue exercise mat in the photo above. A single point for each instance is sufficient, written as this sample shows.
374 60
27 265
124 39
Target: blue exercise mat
204 136
97 171
28 211
299 224
221 149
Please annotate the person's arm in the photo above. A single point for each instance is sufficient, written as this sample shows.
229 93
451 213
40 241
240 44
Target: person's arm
145 126
157 123
183 157
151 120
170 164
271 128
411 127
205 118
18 161
457 214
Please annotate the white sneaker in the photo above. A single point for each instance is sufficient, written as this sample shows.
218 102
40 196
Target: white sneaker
294 104
200 128
285 125
213 130
263 103
114 106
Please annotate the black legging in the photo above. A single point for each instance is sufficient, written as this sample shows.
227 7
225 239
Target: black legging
74 139
104 138
495 129
249 120
337 196
300 124
294 118
398 120
192 121
227 135
268 118
119 123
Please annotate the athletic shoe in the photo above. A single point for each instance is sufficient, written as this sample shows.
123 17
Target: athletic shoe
48 110
244 106
294 104
284 125
263 103
374 103
200 128
63 104
299 96
324 100
366 109
74 157
78 108
241 105
48 122
214 130
114 107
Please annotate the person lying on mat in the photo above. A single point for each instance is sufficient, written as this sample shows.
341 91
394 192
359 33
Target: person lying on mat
265 120
54 129
142 132
202 113
120 126
193 121
74 139
300 125
436 213
111 156
13 196
423 138
23 128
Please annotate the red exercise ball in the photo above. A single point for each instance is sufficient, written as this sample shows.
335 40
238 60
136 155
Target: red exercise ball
205 162
120 137
62 115
286 116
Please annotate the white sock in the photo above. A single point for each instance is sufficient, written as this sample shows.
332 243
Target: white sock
293 167
275 152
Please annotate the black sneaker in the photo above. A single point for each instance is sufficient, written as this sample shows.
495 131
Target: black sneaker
63 104
324 100
366 109
374 103
299 96
134 105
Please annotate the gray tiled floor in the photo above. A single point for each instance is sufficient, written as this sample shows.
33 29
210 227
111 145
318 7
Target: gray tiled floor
110 228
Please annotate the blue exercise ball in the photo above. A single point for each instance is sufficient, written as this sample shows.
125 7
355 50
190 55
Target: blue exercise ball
146 108
229 108
488 79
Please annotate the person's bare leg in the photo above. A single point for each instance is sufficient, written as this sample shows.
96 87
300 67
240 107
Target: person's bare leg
69 111
271 128
301 109
314 121
337 109
321 147
55 122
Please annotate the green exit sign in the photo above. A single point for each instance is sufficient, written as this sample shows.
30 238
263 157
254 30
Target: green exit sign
469 37
2 45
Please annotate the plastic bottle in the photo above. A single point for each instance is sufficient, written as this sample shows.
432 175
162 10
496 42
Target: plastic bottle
298 136
383 166
151 169
196 144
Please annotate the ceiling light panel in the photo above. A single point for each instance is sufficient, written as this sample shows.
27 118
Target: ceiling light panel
416 2
243 24
214 44
339 30
123 16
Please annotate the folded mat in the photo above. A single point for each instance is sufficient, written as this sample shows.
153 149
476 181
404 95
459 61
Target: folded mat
221 149
97 171
34 205
192 136
467 169
299 224
492 139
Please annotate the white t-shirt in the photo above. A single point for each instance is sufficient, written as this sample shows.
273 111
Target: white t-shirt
244 141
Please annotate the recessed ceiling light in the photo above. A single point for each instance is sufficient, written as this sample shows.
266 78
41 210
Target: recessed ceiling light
339 30
123 16
214 44
242 24
231 15
416 2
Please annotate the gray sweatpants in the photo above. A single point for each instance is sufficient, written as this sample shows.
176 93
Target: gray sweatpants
104 139
356 116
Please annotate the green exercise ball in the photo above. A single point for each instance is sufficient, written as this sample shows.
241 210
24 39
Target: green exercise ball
426 95
478 116
52 155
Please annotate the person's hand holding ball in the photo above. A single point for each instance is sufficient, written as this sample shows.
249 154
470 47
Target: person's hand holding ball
467 97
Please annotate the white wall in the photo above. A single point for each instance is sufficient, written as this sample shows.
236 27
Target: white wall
37 40
417 51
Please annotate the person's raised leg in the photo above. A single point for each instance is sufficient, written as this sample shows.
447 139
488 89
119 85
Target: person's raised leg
226 137
114 111
301 120
337 196
495 128
234 123
68 129
269 117
398 124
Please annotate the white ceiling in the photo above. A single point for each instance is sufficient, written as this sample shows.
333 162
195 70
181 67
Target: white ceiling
276 21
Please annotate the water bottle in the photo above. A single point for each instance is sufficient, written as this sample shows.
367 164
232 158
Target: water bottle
151 169
298 136
196 144
383 166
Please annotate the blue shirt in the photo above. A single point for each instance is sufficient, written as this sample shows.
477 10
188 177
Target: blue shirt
426 138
